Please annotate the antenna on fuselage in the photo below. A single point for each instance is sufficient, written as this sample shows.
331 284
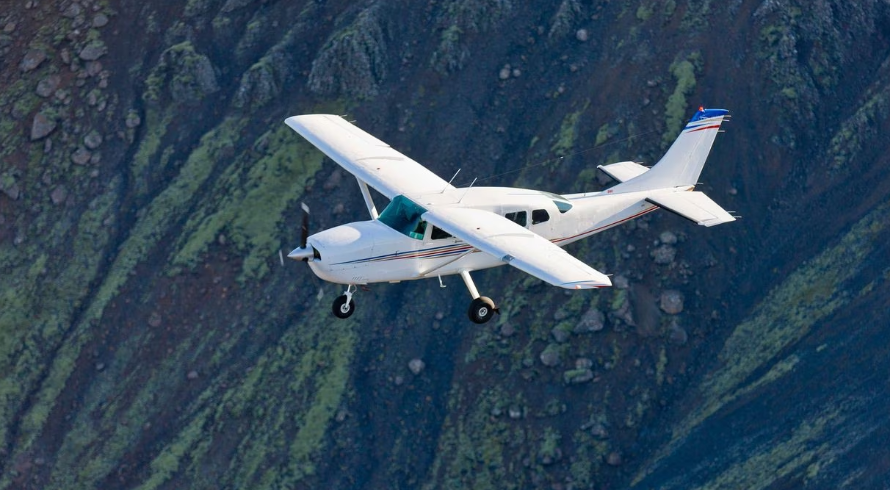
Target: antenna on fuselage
468 189
450 181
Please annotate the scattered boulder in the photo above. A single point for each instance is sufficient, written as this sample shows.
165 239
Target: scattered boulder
81 156
33 58
671 302
42 126
93 50
154 320
577 376
668 238
582 35
551 355
614 459
133 120
583 363
92 140
192 375
9 28
72 11
620 281
59 194
592 321
9 186
678 334
664 254
561 335
334 180
100 20
507 330
416 366
599 431
48 85
504 73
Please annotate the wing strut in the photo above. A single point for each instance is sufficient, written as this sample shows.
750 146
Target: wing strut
367 195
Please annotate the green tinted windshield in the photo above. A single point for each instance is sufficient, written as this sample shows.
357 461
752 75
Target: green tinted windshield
403 216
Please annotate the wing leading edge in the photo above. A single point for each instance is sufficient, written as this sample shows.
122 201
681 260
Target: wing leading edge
366 157
517 246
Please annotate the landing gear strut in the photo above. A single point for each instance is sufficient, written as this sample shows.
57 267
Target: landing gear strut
482 308
344 306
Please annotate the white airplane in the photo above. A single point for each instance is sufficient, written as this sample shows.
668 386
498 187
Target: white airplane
432 229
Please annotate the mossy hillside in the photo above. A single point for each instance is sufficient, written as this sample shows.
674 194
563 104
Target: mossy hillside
675 111
802 451
787 314
863 125
249 202
568 132
164 211
37 309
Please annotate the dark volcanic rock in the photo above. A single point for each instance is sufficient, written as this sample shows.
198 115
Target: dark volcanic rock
33 58
671 302
93 51
47 86
42 126
592 321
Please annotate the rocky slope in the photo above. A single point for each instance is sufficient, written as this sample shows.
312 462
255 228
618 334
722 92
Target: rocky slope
150 338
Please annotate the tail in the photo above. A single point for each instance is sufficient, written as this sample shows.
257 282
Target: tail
682 164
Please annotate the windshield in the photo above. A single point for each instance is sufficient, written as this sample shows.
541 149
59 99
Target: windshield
403 216
562 204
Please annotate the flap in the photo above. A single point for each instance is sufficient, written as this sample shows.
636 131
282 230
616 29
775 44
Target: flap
517 246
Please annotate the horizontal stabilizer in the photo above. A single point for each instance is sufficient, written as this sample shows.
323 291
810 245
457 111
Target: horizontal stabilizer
623 171
692 205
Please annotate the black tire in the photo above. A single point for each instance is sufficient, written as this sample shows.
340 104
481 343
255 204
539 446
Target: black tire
481 310
341 309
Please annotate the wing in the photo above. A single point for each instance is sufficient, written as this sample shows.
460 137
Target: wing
517 246
694 206
366 157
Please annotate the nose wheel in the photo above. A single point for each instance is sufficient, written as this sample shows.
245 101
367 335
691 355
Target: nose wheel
344 306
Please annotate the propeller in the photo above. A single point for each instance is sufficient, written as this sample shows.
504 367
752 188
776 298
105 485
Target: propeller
305 227
303 253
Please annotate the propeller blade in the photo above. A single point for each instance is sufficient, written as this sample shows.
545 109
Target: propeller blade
305 227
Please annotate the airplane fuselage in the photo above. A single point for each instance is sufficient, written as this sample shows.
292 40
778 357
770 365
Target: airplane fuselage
393 248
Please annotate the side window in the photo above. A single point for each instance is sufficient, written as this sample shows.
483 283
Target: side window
540 216
439 234
519 217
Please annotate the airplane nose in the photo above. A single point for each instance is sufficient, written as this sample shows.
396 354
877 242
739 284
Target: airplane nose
301 253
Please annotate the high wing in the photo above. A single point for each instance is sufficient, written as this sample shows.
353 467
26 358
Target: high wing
366 157
692 205
517 246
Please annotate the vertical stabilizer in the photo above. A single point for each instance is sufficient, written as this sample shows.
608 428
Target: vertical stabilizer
684 160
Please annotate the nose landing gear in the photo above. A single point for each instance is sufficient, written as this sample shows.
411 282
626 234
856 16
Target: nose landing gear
344 306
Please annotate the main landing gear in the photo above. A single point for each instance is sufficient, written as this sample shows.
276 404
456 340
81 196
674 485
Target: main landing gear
481 308
344 306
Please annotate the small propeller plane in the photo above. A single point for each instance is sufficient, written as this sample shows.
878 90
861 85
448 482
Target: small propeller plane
432 229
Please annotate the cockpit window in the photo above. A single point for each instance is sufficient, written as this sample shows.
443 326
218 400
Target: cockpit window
562 204
518 217
403 216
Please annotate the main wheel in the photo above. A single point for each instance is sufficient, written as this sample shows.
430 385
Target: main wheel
342 308
481 310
